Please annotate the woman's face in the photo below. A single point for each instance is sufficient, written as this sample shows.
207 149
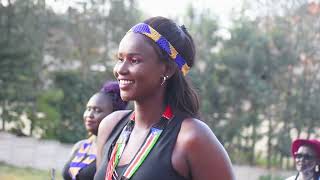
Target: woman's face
305 159
138 69
98 107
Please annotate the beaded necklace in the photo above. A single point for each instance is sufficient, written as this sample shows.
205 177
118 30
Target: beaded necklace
143 152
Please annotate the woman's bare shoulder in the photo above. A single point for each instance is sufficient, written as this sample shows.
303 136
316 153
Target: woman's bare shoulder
112 119
196 130
105 128
108 123
201 145
195 133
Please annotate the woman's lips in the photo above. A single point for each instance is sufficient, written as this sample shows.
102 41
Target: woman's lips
124 83
90 123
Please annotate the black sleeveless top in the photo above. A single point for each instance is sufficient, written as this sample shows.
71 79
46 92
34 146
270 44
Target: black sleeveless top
157 165
86 173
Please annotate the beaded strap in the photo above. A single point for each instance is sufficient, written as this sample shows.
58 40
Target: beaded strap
144 151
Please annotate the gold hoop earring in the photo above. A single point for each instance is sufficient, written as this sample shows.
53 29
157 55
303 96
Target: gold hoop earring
164 79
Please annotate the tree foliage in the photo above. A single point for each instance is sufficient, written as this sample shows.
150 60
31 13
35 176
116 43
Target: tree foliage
52 63
258 81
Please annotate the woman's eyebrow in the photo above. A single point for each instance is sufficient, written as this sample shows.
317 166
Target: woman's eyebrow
128 54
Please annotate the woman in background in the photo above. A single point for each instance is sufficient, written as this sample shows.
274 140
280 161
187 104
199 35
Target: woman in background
82 163
306 154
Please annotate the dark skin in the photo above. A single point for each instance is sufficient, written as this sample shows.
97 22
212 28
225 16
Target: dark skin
197 154
306 167
98 107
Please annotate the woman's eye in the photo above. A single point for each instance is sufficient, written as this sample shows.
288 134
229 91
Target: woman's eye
134 60
120 59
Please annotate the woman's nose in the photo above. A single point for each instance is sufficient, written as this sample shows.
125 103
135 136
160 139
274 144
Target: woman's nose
121 67
90 114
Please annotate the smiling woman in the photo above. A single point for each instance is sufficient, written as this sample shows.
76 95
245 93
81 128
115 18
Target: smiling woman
82 163
306 154
162 138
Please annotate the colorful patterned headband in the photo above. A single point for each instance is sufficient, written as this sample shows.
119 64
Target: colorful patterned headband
163 43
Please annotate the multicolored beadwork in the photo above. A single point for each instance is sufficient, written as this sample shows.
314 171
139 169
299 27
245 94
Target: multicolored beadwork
82 158
143 152
163 43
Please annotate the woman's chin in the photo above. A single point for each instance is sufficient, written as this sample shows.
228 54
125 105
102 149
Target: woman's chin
90 129
126 97
93 132
305 169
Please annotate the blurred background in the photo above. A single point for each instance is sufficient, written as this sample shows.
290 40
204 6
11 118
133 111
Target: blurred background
257 74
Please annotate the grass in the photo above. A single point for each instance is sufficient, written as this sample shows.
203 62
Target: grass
9 172
269 177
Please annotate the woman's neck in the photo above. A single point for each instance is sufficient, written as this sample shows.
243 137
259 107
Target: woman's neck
305 175
93 137
148 113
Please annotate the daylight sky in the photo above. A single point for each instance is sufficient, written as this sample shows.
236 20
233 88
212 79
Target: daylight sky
170 8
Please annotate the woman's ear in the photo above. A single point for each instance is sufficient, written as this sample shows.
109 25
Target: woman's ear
170 68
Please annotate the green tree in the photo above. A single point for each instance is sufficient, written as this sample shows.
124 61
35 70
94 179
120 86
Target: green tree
21 55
